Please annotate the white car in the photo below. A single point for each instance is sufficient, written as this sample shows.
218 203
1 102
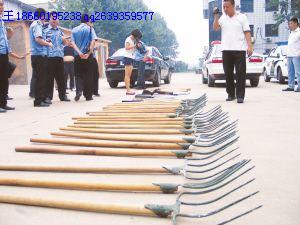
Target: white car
276 64
213 66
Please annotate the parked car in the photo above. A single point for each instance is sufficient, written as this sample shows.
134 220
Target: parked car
275 65
213 66
157 68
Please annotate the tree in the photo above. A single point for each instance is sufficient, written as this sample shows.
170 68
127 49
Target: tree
287 9
155 32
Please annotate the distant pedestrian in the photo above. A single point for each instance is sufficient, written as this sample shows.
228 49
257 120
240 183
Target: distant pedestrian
69 67
293 55
11 65
39 46
55 62
141 56
4 63
236 43
130 48
96 75
83 42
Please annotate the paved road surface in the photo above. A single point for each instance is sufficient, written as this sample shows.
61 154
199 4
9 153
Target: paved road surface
269 126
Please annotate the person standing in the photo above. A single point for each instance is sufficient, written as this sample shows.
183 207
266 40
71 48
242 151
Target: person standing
141 56
55 62
95 76
293 55
4 63
69 67
130 47
12 66
39 46
83 42
236 43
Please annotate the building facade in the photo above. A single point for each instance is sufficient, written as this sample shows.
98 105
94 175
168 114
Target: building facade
261 19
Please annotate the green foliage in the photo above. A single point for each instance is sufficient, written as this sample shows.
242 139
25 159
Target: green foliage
287 9
155 32
181 66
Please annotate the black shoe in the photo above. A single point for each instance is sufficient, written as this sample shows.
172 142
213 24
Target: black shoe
297 90
42 104
97 95
31 96
240 100
77 97
48 101
90 99
2 110
229 99
288 89
8 108
8 98
65 99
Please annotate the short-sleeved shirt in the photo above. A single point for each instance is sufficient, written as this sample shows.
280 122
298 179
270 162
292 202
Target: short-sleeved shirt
129 53
294 44
36 31
4 45
140 52
68 51
82 36
55 36
233 28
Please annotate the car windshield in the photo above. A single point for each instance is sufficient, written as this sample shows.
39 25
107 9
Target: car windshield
284 50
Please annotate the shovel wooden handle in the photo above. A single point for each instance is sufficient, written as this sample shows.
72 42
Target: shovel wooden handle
127 118
80 185
126 126
124 137
125 131
150 115
134 115
101 152
110 144
106 122
100 170
79 206
138 111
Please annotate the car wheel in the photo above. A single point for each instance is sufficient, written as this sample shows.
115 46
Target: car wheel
266 77
254 82
204 80
211 82
168 79
113 83
157 78
280 78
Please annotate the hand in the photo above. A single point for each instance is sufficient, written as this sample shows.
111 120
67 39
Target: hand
145 59
139 45
249 51
85 56
216 11
50 45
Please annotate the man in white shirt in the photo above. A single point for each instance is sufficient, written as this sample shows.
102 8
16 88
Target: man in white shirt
293 55
236 42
